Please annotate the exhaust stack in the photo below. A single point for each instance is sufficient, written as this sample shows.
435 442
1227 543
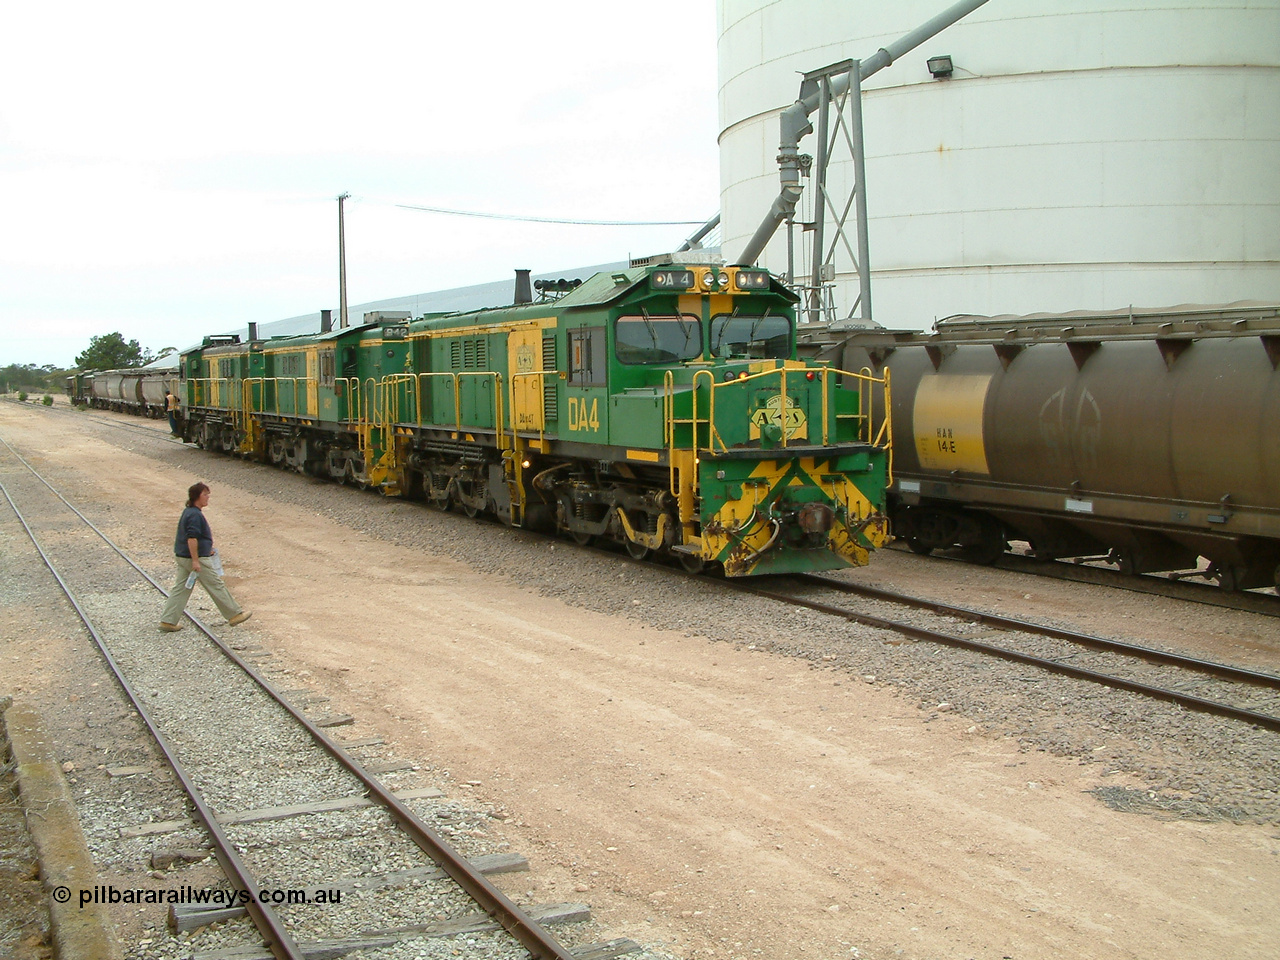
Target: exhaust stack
524 292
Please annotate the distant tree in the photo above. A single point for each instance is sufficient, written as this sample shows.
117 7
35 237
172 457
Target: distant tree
55 378
28 375
111 352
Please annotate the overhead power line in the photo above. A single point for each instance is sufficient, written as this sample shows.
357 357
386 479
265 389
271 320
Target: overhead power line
577 223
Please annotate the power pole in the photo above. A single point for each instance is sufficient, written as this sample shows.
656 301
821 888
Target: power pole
342 264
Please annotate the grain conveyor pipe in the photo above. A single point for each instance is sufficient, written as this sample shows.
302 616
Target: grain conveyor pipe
794 122
695 240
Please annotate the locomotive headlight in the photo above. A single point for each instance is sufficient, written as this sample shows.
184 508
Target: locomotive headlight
729 375
752 280
708 281
723 280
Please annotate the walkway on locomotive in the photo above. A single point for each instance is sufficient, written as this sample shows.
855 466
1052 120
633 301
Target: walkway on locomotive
615 362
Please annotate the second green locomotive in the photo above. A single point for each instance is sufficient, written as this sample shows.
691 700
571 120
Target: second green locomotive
661 407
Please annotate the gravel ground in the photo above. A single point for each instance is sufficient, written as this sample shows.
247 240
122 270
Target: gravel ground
1194 765
211 711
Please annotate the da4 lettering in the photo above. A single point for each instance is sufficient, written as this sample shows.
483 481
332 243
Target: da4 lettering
584 414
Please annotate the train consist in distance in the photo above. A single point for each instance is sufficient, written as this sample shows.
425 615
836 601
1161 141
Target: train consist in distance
1149 436
137 390
661 407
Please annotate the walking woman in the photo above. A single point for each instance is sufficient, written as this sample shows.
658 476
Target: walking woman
196 559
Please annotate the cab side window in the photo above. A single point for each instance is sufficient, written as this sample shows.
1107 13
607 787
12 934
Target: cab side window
587 357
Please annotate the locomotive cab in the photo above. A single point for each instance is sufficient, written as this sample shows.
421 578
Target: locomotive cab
744 452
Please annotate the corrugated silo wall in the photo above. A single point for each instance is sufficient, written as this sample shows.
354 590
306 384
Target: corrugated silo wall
1085 155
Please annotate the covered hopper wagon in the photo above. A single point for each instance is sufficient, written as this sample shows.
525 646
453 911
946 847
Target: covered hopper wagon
1152 437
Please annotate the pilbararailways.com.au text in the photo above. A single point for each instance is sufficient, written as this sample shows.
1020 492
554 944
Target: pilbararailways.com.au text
213 897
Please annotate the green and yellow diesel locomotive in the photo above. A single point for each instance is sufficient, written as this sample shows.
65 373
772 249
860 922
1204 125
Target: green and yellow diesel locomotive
661 407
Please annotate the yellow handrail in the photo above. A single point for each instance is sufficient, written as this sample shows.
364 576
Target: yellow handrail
866 382
391 396
221 392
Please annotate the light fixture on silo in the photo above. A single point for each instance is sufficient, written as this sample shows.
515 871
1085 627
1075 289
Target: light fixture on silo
940 67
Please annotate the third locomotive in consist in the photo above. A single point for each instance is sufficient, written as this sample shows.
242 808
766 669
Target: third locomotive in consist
661 407
1151 436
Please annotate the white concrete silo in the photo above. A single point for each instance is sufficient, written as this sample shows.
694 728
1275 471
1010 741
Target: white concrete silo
1089 154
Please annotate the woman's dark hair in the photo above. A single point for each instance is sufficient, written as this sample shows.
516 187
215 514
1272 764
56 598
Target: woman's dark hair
194 491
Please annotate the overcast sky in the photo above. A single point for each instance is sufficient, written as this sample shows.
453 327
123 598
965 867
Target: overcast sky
171 170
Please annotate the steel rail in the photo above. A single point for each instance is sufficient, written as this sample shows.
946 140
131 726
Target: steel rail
134 425
1054 666
277 938
1270 680
489 898
1187 700
919 633
1147 584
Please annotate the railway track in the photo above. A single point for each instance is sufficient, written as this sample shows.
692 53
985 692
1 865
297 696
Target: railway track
252 744
1217 688
126 422
1262 601
1204 675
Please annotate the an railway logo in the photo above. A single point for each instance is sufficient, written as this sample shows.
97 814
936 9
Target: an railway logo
524 358
784 414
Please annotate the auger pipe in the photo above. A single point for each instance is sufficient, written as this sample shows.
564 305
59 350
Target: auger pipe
794 124
695 239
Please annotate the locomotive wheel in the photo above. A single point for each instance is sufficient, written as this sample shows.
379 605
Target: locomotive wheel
458 500
637 551
692 563
983 554
990 547
919 547
582 539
